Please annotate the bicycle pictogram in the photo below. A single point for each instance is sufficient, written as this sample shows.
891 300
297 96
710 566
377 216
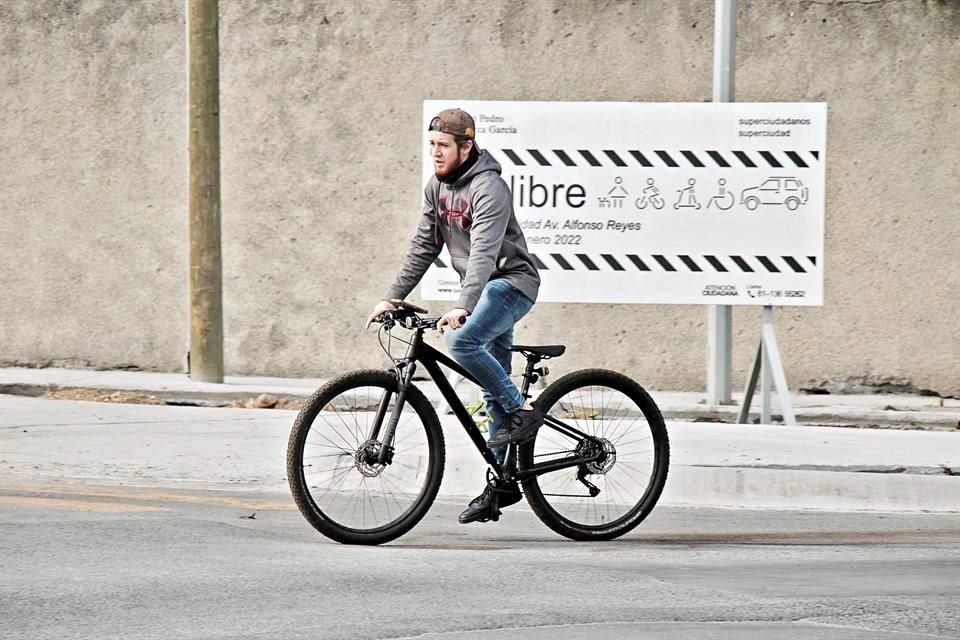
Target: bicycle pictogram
650 197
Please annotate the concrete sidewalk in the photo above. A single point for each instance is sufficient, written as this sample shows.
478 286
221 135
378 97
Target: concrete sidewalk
879 410
712 464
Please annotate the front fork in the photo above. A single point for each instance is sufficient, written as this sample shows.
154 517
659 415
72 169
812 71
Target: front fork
385 454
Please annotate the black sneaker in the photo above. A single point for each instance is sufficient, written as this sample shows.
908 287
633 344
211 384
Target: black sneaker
517 426
487 505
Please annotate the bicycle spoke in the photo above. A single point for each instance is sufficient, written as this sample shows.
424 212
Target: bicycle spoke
640 438
335 430
341 453
346 426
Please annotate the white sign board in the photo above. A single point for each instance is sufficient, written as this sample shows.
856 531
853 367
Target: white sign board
686 203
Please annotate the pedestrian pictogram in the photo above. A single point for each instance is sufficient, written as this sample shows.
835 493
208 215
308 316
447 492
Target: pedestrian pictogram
615 196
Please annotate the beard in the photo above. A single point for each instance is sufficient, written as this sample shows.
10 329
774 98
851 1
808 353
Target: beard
445 173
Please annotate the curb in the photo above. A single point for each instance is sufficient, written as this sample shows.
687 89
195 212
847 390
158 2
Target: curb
757 488
762 488
876 489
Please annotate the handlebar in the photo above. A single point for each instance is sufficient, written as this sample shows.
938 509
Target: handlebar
407 316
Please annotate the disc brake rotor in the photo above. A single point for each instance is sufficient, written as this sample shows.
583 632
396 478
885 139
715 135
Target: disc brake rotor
365 459
607 459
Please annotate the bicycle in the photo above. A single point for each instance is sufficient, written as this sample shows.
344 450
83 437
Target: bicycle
366 453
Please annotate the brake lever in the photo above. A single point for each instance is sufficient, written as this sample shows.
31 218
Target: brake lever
387 320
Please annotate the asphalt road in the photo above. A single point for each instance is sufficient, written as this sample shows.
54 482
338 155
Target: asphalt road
85 561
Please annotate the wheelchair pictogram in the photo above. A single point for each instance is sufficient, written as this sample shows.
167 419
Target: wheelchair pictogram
724 199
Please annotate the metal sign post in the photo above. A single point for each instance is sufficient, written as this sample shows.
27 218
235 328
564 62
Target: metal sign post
720 317
768 364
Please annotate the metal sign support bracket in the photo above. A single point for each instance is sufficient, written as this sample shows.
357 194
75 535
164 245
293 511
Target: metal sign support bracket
766 366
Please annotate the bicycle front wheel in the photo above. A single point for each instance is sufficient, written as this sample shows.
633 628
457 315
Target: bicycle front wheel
631 448
333 465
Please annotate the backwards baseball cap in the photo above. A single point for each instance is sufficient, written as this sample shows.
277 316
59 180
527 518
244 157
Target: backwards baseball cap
453 121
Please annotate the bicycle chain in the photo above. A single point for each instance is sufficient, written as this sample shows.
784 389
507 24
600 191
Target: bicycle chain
568 495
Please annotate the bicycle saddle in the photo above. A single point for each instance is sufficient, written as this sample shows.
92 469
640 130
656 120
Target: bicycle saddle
544 351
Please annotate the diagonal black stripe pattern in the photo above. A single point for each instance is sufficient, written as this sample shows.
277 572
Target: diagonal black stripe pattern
438 262
514 158
617 160
564 158
768 265
692 158
716 264
592 161
740 262
693 266
587 262
543 162
797 160
670 162
796 266
815 154
642 159
666 262
745 159
719 159
773 162
663 262
613 262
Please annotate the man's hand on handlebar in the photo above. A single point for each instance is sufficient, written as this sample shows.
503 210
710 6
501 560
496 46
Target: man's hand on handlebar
382 307
453 318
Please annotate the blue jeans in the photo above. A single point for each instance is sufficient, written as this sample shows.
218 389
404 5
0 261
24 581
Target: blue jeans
482 347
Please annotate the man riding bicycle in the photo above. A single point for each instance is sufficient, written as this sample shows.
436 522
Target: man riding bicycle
469 207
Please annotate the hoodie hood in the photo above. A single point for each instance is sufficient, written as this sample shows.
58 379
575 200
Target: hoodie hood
484 162
465 166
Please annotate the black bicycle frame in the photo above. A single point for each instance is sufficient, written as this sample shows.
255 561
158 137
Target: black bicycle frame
419 351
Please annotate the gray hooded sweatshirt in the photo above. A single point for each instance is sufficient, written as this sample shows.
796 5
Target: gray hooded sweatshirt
474 217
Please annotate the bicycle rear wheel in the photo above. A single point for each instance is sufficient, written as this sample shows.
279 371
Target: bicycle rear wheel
630 472
335 479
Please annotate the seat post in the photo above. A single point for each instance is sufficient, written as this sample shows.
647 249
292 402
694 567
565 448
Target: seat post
529 377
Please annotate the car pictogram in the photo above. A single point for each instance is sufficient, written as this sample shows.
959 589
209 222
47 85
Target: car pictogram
775 191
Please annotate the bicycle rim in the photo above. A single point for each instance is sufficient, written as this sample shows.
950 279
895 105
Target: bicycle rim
629 476
340 477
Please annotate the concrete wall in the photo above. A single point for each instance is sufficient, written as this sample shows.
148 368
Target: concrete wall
321 145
